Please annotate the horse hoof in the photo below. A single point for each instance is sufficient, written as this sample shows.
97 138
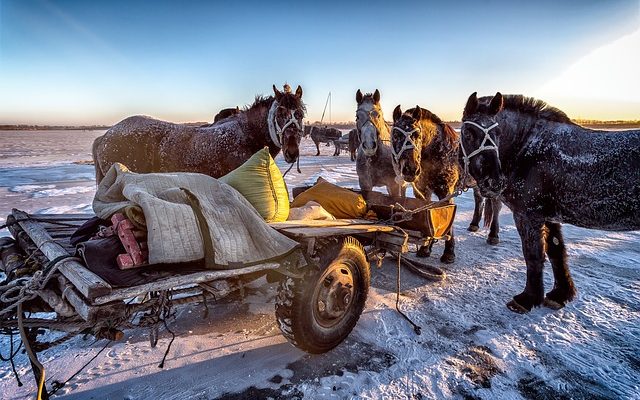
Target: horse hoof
473 228
448 258
493 240
552 304
515 307
423 252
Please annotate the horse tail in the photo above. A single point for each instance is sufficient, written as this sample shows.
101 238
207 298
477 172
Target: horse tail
96 159
488 212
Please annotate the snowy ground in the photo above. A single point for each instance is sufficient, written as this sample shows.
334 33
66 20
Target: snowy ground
471 347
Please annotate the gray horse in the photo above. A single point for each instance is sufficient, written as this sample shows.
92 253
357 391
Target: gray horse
373 161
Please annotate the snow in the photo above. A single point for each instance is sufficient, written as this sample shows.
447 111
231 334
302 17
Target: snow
471 345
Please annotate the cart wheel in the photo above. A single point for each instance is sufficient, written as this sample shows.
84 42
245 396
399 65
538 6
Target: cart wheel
317 312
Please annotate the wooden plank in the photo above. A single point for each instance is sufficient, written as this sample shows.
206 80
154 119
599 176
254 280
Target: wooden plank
319 223
354 229
179 280
87 312
63 217
88 284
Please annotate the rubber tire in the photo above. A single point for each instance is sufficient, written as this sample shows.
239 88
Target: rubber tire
294 306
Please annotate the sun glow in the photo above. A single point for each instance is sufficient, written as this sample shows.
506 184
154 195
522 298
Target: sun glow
604 84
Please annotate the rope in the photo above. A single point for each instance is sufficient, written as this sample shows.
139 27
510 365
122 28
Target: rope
35 364
24 289
57 385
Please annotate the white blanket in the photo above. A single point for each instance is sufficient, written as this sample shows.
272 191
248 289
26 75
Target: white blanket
237 231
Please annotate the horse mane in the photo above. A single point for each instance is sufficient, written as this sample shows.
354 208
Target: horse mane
288 100
448 133
527 105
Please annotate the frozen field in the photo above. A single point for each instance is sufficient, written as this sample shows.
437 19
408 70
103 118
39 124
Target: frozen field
471 347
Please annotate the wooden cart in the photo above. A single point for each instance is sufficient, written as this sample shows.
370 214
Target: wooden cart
318 303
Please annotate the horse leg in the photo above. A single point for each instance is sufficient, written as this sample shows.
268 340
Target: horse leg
477 211
337 146
496 206
317 146
449 255
563 289
531 235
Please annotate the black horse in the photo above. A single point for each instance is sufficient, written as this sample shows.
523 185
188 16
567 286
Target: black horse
549 171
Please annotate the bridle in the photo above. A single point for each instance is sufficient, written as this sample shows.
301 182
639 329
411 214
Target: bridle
359 127
493 146
408 143
275 131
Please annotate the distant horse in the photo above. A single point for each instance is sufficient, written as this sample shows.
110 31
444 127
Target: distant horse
323 135
354 142
222 114
341 144
548 170
373 161
425 152
225 113
145 144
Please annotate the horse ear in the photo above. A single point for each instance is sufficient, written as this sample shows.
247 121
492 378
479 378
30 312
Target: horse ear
417 113
359 96
472 105
299 92
376 96
397 113
496 104
277 92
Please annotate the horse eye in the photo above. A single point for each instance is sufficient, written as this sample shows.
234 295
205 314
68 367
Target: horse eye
374 114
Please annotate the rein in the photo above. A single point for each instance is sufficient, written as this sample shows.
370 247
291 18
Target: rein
493 146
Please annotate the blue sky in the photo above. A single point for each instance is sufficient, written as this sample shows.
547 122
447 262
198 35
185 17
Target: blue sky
82 62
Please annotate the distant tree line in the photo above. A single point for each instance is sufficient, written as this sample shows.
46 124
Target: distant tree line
51 127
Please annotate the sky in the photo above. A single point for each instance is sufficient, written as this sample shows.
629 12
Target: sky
97 62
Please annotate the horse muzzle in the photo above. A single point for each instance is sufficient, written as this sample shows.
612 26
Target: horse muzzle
291 156
491 187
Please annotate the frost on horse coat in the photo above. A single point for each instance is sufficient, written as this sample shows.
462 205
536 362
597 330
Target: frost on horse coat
145 144
552 171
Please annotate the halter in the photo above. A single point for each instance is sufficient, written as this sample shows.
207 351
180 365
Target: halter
408 143
493 146
275 131
359 128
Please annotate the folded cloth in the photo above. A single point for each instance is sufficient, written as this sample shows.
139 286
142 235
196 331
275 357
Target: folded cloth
170 203
309 211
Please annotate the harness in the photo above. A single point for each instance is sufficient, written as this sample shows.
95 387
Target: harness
493 146
408 143
275 131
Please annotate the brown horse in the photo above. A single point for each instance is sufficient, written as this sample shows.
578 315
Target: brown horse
425 153
145 144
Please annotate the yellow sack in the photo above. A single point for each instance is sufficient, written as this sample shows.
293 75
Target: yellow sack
260 181
339 202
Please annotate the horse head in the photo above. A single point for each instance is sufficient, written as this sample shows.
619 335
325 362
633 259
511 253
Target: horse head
406 142
370 123
285 121
479 139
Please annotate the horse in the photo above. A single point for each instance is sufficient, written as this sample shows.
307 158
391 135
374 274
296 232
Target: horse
491 210
323 135
548 171
145 144
225 113
425 153
373 160
354 143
